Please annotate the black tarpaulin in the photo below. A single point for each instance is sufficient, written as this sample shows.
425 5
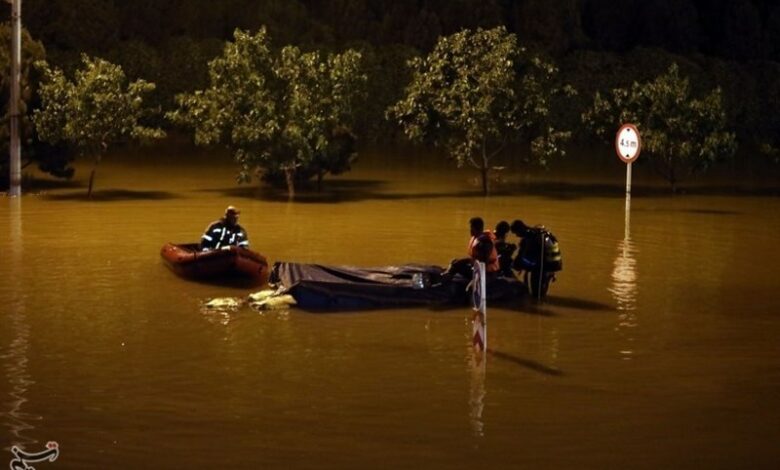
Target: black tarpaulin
321 287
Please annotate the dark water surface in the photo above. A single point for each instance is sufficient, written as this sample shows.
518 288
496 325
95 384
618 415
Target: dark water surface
658 348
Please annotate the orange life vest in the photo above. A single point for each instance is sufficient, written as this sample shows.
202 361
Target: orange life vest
491 263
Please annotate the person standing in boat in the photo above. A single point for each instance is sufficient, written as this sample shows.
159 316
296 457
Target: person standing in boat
538 258
225 232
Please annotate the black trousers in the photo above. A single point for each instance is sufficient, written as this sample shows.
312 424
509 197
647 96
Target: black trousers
538 282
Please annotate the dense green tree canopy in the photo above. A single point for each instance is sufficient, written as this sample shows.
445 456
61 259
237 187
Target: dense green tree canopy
275 111
477 91
680 134
94 110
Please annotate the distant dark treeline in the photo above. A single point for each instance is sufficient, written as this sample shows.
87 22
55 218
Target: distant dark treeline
731 29
599 44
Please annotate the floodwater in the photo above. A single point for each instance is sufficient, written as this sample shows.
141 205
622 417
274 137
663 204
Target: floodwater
657 348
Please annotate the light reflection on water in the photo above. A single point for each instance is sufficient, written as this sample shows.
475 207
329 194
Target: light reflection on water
624 290
15 358
624 286
477 367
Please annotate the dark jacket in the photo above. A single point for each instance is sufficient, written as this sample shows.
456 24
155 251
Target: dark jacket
505 251
220 234
538 249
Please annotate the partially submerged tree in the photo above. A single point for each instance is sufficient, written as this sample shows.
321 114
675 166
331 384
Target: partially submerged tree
277 112
680 134
95 110
477 91
336 158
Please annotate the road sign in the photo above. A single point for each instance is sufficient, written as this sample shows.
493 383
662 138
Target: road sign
627 143
479 333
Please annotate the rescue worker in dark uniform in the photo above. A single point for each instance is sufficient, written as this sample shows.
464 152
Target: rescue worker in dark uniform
225 232
538 259
504 249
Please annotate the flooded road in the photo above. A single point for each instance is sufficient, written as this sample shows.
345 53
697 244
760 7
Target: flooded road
658 346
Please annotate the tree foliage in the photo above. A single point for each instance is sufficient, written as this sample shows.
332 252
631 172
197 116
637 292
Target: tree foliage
680 133
94 110
738 37
476 91
275 111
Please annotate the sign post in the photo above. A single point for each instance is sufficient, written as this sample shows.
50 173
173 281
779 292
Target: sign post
628 145
479 350
479 333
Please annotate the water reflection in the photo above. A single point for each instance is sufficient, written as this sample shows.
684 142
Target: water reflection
477 367
15 359
624 285
624 277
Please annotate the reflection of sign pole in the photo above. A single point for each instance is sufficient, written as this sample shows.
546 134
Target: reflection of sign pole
628 145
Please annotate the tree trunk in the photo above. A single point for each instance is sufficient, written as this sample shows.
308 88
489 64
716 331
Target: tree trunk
671 174
320 175
92 175
485 169
91 180
289 175
485 182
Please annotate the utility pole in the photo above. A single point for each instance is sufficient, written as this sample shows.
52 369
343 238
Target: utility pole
15 181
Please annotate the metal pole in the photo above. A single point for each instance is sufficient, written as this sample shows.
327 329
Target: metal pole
15 176
483 304
628 178
627 232
628 200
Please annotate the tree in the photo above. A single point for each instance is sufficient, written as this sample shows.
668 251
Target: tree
335 159
95 110
475 92
680 134
275 111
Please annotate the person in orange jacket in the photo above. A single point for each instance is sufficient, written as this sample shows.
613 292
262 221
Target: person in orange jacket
481 247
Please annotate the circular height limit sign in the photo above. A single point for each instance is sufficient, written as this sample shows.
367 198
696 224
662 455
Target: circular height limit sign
627 143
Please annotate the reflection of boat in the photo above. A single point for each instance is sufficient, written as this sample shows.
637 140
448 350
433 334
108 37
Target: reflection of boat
230 262
320 287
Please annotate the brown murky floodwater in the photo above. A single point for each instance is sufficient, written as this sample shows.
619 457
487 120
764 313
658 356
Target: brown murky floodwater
658 347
